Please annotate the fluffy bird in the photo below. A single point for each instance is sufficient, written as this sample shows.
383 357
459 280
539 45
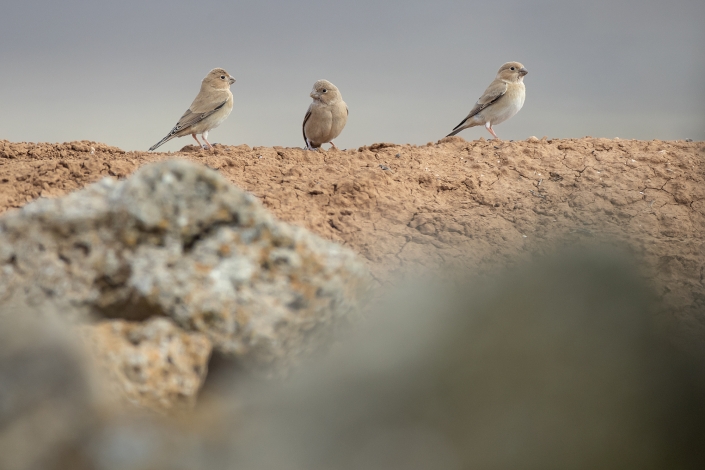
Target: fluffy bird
211 107
326 117
500 101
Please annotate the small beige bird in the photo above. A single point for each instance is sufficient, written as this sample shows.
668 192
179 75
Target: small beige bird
211 107
326 117
500 101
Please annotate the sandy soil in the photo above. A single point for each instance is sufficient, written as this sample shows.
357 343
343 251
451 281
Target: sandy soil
479 203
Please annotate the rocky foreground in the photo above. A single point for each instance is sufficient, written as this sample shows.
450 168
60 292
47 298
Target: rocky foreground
115 299
176 242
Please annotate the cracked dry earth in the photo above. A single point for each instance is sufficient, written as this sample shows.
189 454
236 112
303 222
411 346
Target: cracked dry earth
482 204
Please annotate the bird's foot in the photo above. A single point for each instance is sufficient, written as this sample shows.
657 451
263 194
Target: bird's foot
488 126
197 141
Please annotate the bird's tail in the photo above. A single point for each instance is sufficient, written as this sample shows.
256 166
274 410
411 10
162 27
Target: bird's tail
459 127
164 140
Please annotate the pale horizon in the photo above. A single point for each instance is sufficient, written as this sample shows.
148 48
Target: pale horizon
122 73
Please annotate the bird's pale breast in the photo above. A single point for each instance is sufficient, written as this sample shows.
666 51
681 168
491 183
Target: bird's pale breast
507 106
326 122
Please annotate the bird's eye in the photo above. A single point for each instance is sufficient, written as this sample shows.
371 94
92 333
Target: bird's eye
512 68
324 90
222 77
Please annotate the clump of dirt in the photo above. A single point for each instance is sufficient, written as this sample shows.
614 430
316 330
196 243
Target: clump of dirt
29 171
479 203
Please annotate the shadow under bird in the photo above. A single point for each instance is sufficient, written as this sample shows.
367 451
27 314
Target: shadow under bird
326 117
500 101
211 107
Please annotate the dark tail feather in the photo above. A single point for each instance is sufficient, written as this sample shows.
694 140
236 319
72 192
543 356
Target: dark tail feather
458 128
164 140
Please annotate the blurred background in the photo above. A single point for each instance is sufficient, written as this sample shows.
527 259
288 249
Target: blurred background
123 72
556 364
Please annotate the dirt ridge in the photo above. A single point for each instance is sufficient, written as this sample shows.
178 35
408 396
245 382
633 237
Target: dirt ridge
477 203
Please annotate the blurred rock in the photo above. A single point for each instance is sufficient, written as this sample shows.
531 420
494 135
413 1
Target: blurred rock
153 364
45 405
557 365
177 240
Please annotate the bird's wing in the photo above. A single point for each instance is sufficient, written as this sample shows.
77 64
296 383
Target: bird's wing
303 126
187 120
190 118
206 103
495 91
209 99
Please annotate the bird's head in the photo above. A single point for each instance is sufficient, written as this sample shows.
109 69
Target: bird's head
325 91
512 72
218 78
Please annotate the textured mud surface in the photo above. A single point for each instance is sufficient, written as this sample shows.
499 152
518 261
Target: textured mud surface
472 203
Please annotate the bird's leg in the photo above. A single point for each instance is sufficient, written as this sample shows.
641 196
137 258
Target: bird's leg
489 128
332 145
204 135
199 143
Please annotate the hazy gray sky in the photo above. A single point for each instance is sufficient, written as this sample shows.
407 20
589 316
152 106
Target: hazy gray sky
123 72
